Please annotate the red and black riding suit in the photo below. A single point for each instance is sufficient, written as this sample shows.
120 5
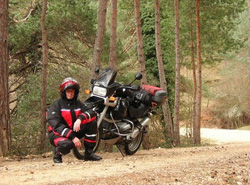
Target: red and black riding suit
61 117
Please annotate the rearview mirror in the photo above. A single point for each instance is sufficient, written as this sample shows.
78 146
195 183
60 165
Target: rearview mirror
97 70
138 76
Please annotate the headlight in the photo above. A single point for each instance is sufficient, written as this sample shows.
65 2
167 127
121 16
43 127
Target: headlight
99 91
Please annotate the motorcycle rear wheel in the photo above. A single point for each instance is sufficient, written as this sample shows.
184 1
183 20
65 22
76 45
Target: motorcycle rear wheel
132 147
79 152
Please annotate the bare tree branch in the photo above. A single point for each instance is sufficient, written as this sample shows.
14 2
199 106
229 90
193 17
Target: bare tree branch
129 44
30 10
18 86
12 101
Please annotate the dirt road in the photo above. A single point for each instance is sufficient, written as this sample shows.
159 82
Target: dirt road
226 163
220 136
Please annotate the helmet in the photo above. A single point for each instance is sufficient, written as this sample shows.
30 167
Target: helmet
69 83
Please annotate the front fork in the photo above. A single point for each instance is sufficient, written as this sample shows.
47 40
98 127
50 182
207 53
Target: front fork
108 103
103 113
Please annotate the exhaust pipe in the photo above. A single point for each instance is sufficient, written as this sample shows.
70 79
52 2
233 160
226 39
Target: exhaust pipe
145 122
136 131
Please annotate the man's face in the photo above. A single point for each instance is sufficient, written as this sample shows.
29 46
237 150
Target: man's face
70 93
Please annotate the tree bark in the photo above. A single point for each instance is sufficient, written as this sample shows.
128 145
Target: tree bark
141 58
99 36
112 51
140 50
177 75
4 72
163 83
197 138
194 73
44 75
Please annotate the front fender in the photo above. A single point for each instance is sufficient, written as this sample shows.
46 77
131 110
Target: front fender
93 102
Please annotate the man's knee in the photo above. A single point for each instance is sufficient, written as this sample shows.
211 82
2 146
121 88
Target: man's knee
65 146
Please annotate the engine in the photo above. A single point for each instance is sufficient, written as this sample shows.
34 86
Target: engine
124 127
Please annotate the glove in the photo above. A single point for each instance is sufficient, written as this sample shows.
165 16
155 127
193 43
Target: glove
77 125
77 142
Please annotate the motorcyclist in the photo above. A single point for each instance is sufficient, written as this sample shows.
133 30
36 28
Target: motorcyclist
69 121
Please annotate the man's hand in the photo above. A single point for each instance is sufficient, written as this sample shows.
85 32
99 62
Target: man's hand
77 125
77 142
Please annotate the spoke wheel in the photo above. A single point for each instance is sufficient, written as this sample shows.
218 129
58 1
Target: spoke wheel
132 147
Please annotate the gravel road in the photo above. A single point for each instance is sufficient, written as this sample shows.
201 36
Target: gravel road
222 135
226 162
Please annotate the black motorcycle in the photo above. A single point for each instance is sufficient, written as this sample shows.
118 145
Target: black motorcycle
123 111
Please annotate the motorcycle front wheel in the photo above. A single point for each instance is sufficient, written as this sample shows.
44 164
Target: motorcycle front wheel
132 147
79 152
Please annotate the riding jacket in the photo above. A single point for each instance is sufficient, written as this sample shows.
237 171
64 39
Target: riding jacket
63 113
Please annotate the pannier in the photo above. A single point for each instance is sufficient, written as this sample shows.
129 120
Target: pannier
159 96
138 112
120 110
143 99
140 103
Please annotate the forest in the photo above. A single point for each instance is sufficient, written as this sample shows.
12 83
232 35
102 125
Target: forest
203 46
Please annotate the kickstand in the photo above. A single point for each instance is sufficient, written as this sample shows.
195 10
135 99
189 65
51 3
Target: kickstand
121 150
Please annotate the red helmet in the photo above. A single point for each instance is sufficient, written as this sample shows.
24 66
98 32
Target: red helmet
69 83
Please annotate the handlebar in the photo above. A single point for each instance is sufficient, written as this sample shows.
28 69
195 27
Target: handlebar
117 85
133 88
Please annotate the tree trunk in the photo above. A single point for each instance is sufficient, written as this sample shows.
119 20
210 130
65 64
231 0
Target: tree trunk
99 36
194 73
197 138
140 51
4 72
177 75
112 51
44 75
163 83
141 58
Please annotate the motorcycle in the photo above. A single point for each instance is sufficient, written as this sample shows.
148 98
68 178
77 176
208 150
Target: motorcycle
123 111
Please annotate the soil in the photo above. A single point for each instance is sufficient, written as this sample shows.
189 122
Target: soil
220 163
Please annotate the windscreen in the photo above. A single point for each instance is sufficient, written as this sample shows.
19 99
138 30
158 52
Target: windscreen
106 77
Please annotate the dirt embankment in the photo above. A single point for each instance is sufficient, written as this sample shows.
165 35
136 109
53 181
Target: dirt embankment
218 164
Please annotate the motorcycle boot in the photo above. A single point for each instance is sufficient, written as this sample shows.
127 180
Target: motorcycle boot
57 156
91 156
